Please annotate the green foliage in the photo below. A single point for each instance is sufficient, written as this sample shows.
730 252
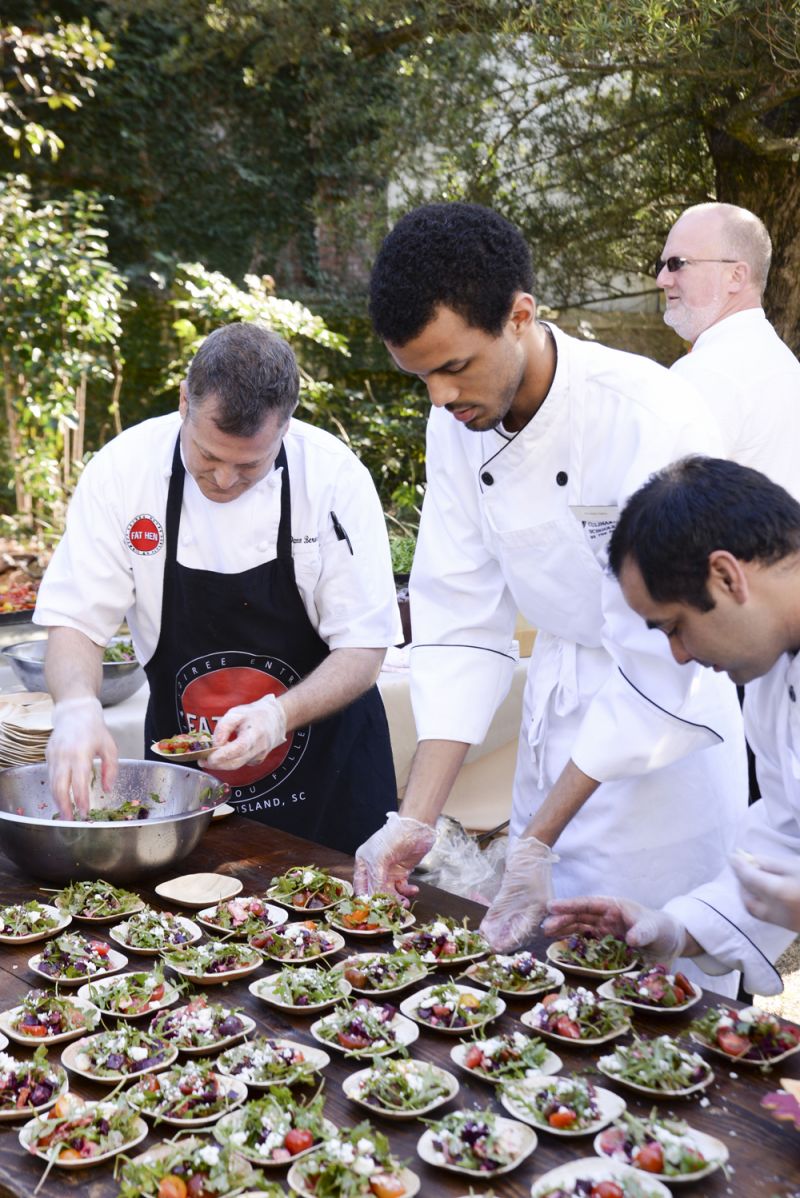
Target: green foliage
59 324
47 63
402 548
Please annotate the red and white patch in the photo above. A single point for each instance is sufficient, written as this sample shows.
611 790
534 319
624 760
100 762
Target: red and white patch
144 535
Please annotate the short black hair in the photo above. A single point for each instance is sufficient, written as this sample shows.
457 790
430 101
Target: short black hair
672 524
463 256
249 372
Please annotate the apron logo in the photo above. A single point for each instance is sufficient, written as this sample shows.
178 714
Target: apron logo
144 535
208 686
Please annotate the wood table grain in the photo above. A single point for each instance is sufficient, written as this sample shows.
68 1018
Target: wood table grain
764 1155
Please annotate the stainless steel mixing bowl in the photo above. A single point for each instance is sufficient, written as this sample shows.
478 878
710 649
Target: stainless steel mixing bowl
121 679
116 850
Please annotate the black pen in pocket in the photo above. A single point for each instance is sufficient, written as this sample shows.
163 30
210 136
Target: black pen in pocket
340 532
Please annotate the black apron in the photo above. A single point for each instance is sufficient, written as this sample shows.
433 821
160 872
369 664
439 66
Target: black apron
227 639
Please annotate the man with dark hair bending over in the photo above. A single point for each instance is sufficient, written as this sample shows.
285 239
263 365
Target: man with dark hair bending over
708 553
630 768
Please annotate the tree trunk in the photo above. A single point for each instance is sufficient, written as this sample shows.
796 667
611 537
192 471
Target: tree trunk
770 187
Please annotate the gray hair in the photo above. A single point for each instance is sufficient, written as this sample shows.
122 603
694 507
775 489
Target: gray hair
249 372
744 237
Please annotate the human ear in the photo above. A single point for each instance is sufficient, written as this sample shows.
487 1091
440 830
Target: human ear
726 574
523 311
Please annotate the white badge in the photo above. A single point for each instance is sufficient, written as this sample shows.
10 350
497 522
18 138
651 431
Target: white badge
598 520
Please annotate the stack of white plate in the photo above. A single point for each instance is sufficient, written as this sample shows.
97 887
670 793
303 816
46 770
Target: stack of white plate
26 721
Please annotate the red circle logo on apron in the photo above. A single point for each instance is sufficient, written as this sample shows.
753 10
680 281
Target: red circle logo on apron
144 535
209 686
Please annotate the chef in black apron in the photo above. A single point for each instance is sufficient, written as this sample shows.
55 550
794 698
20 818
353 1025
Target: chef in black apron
228 639
235 643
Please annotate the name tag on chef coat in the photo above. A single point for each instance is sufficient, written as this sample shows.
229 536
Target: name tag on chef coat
598 521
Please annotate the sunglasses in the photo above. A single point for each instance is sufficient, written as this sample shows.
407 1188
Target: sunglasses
673 265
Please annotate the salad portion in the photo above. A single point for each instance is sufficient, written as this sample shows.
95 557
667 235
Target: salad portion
752 1036
193 1166
365 1029
200 1025
443 941
450 1007
519 973
578 1015
275 1129
666 1147
26 1086
369 973
658 1066
191 1094
212 962
562 1105
47 1018
242 917
184 742
267 1062
506 1056
297 941
71 958
121 1053
307 888
130 994
585 952
476 1142
370 914
401 1088
654 988
24 922
76 1133
151 931
302 987
97 900
594 1178
356 1161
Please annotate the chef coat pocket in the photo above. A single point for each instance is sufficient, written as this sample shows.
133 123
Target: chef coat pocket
307 564
554 577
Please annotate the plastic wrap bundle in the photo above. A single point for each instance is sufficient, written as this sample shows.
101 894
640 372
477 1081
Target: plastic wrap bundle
460 864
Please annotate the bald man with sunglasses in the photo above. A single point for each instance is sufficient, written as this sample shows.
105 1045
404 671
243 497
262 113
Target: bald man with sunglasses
713 273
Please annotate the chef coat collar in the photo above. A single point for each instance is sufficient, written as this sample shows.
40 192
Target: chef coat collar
540 425
733 325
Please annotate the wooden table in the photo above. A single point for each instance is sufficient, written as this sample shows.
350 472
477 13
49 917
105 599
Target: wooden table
765 1155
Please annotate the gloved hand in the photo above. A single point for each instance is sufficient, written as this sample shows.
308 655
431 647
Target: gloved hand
247 734
384 862
660 936
521 902
79 735
770 888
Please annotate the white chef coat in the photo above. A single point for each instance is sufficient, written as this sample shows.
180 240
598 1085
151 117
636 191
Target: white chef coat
750 380
715 913
110 562
498 536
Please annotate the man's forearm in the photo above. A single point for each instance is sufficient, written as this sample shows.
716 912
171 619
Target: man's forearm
73 665
433 772
569 793
343 676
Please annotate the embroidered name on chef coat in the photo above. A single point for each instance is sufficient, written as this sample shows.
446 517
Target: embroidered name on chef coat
599 521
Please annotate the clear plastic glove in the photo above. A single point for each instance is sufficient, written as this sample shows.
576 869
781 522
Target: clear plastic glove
247 734
384 862
659 936
522 900
79 735
770 888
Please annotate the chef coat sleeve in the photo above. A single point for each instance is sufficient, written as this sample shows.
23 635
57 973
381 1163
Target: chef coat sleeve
651 711
355 596
88 584
462 613
714 913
